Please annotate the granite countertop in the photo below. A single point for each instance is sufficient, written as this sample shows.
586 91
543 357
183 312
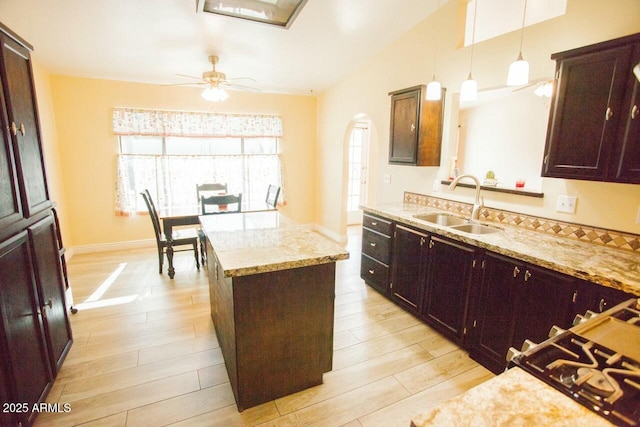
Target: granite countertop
259 242
614 268
513 398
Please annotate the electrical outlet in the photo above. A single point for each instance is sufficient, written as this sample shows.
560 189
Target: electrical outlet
566 204
387 178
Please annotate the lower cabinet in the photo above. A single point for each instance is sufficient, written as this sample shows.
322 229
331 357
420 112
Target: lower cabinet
449 279
35 334
29 375
482 301
409 266
516 302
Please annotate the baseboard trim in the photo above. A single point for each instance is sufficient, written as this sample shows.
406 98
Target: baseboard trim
113 246
340 238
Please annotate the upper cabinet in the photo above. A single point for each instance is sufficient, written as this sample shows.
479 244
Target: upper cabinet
416 127
594 123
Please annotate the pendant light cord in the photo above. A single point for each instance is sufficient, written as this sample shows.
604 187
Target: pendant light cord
473 35
524 15
435 54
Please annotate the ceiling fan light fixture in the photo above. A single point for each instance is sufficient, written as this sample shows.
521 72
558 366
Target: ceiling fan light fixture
214 94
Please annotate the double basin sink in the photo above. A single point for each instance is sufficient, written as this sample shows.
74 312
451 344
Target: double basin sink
455 222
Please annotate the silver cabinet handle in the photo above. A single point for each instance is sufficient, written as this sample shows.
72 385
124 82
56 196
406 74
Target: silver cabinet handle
527 275
48 304
634 112
602 305
374 223
413 127
373 244
608 114
371 271
516 271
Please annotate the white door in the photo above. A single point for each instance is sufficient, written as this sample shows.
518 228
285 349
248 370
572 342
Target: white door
358 171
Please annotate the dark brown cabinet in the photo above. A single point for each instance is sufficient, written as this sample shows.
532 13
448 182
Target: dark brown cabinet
416 127
594 121
376 251
449 279
409 267
35 334
516 302
22 332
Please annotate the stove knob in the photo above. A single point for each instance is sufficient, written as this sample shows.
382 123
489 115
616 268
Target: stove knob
555 330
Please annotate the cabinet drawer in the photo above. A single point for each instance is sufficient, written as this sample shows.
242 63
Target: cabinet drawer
374 273
376 245
378 224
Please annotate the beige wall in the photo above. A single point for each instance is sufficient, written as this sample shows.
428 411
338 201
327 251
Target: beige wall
409 61
88 148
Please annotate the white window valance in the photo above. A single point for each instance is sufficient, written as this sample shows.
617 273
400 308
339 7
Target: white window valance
128 121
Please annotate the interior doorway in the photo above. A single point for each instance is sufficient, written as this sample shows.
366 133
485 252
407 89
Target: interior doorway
358 168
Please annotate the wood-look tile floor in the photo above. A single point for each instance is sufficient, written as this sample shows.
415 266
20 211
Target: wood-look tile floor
145 354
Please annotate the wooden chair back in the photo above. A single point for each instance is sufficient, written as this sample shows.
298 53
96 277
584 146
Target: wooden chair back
153 214
272 196
210 189
219 201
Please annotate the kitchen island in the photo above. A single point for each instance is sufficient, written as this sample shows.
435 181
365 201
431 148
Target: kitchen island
272 289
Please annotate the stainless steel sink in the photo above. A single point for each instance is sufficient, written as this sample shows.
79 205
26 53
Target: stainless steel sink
444 219
473 228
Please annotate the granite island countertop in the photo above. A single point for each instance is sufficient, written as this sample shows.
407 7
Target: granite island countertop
259 242
513 398
614 268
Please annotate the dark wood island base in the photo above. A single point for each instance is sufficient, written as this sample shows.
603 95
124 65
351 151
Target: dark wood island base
275 329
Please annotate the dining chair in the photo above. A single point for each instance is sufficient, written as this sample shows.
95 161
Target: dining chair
212 189
272 196
183 237
221 203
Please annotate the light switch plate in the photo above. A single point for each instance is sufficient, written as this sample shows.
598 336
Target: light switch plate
566 204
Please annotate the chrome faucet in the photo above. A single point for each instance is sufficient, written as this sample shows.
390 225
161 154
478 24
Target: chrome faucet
479 203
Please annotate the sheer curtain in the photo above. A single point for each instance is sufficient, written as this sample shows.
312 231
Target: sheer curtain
171 179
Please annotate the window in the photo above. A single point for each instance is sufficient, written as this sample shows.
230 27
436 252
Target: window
170 163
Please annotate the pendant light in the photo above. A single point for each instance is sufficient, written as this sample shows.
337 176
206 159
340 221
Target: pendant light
519 70
434 89
469 88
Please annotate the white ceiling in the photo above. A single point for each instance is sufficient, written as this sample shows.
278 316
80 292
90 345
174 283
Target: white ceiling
153 40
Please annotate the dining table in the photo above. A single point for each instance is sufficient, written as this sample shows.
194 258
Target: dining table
188 215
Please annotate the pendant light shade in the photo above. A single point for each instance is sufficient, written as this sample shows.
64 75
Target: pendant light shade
519 70
469 88
434 90
214 94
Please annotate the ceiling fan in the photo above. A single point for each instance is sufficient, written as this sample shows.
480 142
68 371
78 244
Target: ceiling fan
217 82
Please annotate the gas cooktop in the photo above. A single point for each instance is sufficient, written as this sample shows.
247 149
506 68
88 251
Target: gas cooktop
596 362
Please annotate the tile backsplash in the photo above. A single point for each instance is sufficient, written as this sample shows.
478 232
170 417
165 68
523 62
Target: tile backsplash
585 233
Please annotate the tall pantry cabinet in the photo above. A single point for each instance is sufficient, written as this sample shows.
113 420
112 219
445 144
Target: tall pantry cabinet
35 334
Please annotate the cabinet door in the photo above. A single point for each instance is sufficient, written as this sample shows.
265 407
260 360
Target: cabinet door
51 290
546 301
10 209
24 126
409 267
26 359
585 113
404 127
448 281
7 418
496 310
628 168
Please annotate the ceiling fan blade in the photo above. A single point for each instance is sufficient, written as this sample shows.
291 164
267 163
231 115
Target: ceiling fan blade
186 84
243 78
233 86
191 77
